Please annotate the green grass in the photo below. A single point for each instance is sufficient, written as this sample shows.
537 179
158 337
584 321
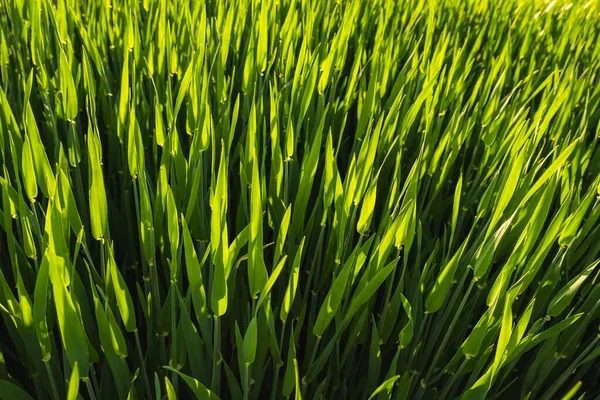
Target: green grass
243 199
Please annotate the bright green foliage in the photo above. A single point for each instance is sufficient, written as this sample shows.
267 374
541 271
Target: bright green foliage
259 199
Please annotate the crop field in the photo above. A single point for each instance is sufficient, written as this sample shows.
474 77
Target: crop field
299 199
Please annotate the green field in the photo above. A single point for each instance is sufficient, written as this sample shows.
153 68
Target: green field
303 199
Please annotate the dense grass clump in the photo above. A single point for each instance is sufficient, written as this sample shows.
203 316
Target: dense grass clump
267 199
